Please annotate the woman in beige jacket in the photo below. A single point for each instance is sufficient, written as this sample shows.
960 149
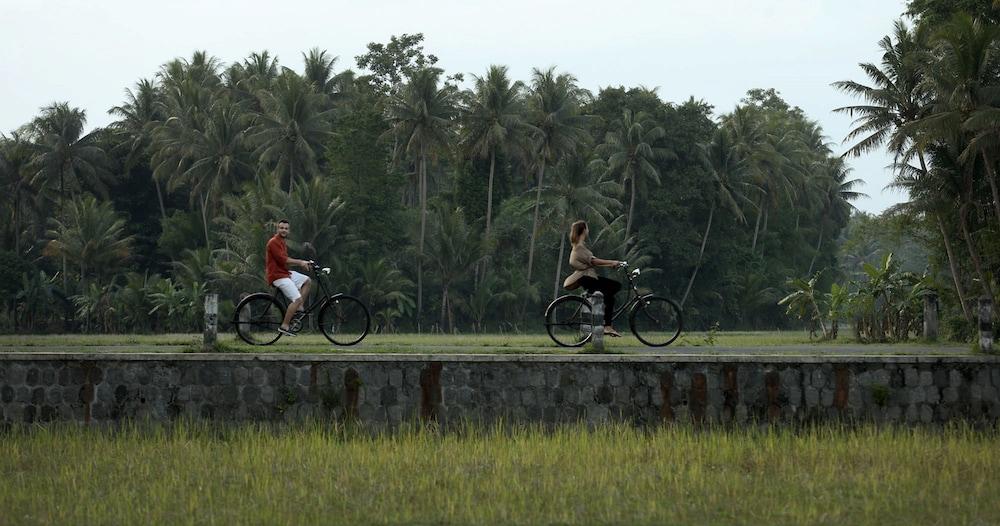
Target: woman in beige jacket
583 262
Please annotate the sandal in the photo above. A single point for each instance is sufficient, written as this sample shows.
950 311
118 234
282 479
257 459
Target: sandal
613 333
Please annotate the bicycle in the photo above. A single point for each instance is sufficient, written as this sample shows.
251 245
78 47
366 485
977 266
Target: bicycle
656 321
343 319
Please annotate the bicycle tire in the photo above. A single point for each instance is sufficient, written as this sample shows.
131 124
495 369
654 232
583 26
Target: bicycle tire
656 321
257 319
566 321
344 320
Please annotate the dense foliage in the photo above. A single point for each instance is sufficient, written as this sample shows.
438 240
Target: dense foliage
443 203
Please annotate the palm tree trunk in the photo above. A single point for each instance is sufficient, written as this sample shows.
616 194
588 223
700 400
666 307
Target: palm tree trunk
631 208
704 240
819 244
159 197
763 228
444 306
422 190
976 263
954 270
204 219
562 250
534 224
991 176
489 194
756 226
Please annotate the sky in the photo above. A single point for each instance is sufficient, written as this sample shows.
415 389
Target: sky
88 52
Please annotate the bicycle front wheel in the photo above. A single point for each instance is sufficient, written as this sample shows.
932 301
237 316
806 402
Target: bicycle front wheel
258 318
655 321
568 321
344 320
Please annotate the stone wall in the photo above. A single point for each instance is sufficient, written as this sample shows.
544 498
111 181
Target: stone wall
387 390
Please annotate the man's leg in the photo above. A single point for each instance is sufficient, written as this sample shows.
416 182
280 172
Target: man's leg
290 312
305 293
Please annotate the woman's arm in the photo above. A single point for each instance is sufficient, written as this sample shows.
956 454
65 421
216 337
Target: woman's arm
598 262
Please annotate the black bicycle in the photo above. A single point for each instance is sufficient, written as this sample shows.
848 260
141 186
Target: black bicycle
655 320
343 319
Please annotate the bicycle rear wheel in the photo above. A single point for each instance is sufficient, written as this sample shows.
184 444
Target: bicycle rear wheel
344 320
568 321
258 318
655 321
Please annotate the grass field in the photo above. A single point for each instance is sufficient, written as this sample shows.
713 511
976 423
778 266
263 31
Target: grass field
315 474
312 342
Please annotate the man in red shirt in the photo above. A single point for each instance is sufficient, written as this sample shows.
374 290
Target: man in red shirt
289 283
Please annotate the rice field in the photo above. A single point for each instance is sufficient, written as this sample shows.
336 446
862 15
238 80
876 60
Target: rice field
315 473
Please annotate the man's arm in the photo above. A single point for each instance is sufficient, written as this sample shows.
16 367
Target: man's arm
297 262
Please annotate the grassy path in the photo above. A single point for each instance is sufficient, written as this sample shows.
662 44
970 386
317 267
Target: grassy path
763 343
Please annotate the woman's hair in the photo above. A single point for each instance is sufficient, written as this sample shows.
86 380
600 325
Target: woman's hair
576 230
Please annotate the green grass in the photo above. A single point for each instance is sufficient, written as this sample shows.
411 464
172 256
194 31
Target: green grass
315 474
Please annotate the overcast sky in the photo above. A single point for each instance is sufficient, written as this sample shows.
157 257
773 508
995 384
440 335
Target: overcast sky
87 53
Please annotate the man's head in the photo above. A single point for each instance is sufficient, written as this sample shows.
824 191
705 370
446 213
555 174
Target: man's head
283 228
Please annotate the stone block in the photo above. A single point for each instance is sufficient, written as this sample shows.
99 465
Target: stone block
258 376
32 377
926 378
818 378
932 394
811 397
954 378
826 397
950 395
241 375
396 378
16 374
911 376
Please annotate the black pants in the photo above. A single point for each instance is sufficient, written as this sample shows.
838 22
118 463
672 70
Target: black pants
608 287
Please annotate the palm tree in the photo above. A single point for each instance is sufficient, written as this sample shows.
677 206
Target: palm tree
293 128
727 173
453 249
420 115
16 186
577 191
554 111
964 78
91 236
838 192
137 118
493 122
628 153
64 154
218 158
896 97
764 143
319 70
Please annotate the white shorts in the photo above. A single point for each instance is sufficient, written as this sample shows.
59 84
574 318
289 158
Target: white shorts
290 286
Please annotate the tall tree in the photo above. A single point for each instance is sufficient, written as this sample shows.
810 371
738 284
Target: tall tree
493 122
730 186
293 128
421 118
66 156
630 154
554 111
137 118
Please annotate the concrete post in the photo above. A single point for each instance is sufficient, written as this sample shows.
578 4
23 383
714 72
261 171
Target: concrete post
931 317
986 324
597 322
211 321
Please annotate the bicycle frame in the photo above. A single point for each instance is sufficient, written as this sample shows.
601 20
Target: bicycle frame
316 301
633 298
